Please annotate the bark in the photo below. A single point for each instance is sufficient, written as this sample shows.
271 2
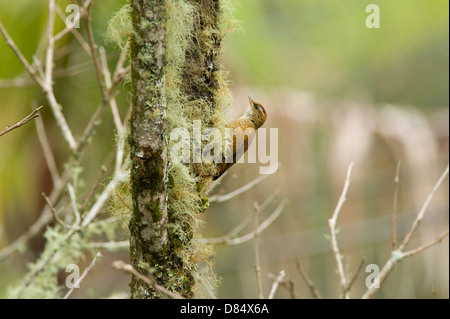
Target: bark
152 246
148 145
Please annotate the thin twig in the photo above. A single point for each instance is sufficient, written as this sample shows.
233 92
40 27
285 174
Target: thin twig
398 254
423 210
45 217
93 188
104 196
68 28
266 223
50 44
307 280
19 54
289 286
395 207
120 265
276 283
85 272
25 120
240 190
256 252
48 154
358 271
74 203
91 214
113 104
74 31
332 226
93 48
434 292
55 214
419 249
244 223
43 263
59 116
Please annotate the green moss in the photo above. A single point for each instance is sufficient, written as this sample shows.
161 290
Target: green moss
194 91
154 209
195 87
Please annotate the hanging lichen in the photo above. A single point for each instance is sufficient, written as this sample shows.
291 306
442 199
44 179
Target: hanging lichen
195 88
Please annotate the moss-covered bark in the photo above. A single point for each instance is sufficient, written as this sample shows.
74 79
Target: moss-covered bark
169 89
149 242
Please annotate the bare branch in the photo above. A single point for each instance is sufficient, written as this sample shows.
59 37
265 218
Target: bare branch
244 223
113 104
48 154
85 272
120 265
73 200
276 283
308 281
287 284
394 208
102 199
55 214
19 54
93 49
60 119
74 31
45 217
93 188
426 246
332 226
358 271
266 223
31 116
246 187
422 211
50 44
256 252
398 254
93 212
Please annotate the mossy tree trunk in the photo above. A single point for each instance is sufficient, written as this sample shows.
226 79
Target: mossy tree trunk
155 248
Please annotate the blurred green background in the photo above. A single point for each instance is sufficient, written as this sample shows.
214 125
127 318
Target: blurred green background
336 90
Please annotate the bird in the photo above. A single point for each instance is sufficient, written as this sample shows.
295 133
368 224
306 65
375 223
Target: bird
254 117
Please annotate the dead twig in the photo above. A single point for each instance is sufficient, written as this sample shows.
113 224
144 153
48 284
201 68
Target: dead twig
256 252
239 240
308 281
120 265
276 283
25 120
358 271
334 243
394 208
399 254
85 272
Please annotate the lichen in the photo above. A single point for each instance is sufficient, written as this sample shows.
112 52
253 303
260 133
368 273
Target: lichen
195 88
119 27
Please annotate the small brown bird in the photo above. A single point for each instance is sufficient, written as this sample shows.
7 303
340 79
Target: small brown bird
253 118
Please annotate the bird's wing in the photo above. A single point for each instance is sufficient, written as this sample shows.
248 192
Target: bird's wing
242 135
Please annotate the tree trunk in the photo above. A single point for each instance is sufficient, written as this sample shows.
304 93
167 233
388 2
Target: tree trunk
164 219
148 145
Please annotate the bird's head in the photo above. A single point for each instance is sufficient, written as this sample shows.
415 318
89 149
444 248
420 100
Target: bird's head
256 113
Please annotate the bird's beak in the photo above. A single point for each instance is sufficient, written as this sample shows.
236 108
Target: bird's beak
250 100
